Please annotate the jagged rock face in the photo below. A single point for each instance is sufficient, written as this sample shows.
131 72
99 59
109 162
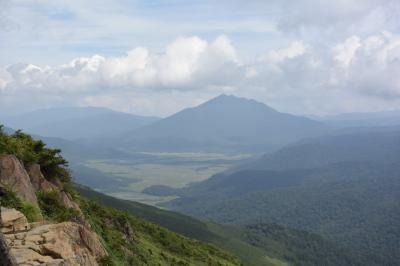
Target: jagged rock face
41 184
38 181
13 174
42 243
66 243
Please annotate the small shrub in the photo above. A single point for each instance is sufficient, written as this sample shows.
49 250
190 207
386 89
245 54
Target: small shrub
30 151
107 261
10 199
53 209
31 212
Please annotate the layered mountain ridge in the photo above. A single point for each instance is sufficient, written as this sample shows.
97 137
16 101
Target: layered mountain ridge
77 123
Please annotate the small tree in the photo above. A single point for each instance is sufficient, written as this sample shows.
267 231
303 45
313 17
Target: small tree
30 151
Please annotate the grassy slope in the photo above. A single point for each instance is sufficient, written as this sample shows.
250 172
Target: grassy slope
133 241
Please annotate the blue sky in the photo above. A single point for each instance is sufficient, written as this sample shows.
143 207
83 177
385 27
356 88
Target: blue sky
113 27
157 57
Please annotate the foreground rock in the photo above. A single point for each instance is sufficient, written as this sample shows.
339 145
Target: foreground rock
13 221
66 243
42 243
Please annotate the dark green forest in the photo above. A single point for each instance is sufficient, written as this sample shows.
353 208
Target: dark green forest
353 202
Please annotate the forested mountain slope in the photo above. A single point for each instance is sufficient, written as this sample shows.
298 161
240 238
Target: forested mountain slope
345 188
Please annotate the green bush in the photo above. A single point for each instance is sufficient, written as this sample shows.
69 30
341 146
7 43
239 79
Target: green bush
52 208
107 261
31 212
30 151
10 199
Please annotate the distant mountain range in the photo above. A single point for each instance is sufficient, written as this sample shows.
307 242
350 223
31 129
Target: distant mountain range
222 124
76 123
372 146
225 123
367 119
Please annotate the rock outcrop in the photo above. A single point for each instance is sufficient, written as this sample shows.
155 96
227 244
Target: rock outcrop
37 179
26 184
13 174
43 243
6 259
66 243
13 221
41 184
47 244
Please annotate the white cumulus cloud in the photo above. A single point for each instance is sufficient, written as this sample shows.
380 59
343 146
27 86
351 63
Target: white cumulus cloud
372 64
295 49
185 62
344 52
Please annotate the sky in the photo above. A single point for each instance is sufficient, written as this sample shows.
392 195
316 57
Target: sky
158 57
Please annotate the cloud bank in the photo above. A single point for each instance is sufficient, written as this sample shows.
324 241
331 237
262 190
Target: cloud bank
187 63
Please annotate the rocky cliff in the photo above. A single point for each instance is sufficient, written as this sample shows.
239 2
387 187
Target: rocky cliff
13 175
42 242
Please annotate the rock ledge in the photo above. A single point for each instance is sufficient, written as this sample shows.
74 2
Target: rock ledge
66 243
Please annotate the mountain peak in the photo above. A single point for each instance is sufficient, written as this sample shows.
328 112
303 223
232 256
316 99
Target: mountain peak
235 101
228 97
225 122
